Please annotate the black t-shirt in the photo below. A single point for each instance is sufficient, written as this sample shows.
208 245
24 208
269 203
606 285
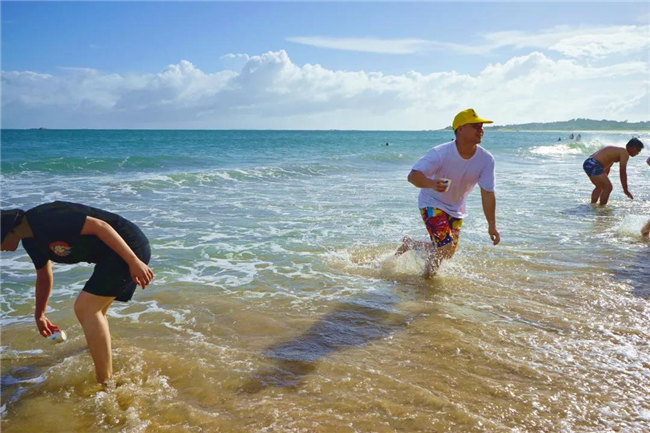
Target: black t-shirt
57 234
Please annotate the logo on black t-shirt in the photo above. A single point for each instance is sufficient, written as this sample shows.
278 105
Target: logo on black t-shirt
60 248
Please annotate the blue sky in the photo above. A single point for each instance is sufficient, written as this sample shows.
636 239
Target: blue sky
320 65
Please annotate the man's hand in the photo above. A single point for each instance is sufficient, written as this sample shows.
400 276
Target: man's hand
440 185
489 202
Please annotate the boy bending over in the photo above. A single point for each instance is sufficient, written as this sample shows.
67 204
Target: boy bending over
597 167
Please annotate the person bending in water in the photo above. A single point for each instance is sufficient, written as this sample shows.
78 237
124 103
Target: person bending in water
597 167
71 233
442 203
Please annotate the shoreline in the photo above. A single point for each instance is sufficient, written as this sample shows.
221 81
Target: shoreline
588 131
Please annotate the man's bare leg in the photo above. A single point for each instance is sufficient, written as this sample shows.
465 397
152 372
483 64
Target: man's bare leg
409 243
435 256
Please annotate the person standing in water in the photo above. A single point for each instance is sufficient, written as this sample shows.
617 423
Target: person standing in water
446 175
597 167
71 233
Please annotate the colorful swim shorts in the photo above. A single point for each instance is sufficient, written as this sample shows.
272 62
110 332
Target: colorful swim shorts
442 227
593 167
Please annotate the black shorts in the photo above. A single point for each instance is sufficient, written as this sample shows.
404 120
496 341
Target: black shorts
111 276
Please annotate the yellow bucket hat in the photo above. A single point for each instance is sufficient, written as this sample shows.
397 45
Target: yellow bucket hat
467 116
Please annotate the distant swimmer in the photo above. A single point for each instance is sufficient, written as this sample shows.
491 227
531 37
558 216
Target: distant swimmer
648 160
446 174
597 167
65 232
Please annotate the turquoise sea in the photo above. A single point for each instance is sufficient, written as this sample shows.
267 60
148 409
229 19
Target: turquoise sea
278 305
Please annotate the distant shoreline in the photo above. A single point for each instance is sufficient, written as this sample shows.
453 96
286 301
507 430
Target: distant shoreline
574 126
561 131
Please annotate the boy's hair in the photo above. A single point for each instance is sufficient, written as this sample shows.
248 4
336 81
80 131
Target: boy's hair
10 219
635 142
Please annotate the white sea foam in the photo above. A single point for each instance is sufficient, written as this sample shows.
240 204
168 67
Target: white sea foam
6 353
561 149
409 263
631 225
12 320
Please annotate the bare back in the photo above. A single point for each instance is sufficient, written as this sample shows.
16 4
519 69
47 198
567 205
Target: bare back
608 155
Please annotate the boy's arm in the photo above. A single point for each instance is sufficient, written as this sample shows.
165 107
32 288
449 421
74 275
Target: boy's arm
44 282
140 272
623 173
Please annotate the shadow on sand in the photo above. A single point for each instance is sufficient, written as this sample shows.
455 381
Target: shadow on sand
352 323
636 272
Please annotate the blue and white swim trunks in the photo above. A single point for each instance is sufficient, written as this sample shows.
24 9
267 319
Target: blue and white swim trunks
593 167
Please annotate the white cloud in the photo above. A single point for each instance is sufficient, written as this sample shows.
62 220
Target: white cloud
575 41
372 45
270 91
570 41
535 87
236 56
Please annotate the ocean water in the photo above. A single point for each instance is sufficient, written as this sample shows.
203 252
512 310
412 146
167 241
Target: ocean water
278 305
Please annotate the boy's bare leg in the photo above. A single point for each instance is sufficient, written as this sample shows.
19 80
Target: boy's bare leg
91 312
603 189
595 195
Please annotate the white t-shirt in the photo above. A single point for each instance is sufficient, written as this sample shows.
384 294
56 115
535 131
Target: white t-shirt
445 161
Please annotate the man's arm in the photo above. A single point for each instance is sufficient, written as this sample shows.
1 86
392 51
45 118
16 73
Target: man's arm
623 173
489 201
140 272
44 282
419 179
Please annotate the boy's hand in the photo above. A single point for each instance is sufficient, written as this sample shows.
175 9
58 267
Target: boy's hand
627 193
141 273
45 327
494 235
